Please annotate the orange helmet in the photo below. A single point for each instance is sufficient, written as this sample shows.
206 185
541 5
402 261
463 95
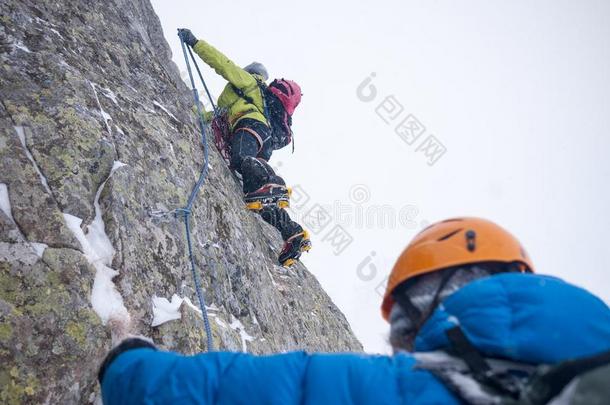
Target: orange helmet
450 243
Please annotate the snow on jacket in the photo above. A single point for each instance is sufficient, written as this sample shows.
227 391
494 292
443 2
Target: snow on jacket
523 317
238 107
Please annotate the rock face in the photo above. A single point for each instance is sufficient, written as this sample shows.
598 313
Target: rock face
84 87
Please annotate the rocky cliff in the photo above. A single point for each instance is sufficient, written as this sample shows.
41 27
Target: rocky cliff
96 132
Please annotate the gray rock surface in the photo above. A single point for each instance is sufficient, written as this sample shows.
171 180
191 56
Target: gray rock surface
83 85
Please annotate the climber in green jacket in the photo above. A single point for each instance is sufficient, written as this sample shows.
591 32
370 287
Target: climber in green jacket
259 118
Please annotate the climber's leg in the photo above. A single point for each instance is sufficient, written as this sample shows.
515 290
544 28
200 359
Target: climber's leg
257 173
243 145
296 239
280 219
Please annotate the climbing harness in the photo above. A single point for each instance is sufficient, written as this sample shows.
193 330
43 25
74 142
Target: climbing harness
185 212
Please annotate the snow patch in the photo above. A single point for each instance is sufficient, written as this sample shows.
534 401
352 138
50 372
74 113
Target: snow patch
5 206
17 45
98 250
165 110
44 22
165 310
39 248
43 179
105 298
116 165
221 323
110 94
5 203
54 31
190 304
103 113
96 231
271 277
236 325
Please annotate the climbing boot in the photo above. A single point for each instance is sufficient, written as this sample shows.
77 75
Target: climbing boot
293 248
269 194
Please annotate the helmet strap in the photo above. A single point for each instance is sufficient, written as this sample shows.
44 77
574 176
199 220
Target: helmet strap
418 317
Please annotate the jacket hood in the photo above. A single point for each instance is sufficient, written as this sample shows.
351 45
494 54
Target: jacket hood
522 317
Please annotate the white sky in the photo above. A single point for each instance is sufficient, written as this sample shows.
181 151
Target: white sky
518 93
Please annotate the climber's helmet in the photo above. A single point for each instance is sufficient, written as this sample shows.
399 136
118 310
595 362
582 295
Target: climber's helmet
288 92
451 243
257 68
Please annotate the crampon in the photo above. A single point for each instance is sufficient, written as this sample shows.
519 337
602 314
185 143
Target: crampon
269 194
293 248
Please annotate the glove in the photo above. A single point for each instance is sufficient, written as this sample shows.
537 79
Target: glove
187 36
126 345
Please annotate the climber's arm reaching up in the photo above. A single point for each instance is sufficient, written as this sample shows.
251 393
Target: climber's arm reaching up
219 62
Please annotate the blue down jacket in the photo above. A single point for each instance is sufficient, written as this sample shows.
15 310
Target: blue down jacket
523 317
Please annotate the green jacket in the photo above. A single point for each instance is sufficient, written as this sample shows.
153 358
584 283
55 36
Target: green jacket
238 108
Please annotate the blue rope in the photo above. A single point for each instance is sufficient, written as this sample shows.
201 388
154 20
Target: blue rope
201 77
186 211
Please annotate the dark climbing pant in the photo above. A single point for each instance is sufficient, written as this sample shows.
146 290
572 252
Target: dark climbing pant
250 138
249 158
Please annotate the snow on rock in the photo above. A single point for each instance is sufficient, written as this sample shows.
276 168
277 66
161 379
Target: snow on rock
101 247
39 248
195 308
5 206
54 31
98 250
43 179
165 110
165 310
221 323
107 118
21 47
117 164
5 203
236 325
110 94
105 299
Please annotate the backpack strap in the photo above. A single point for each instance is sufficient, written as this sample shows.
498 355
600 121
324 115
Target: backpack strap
261 86
479 380
466 351
457 377
507 384
550 381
